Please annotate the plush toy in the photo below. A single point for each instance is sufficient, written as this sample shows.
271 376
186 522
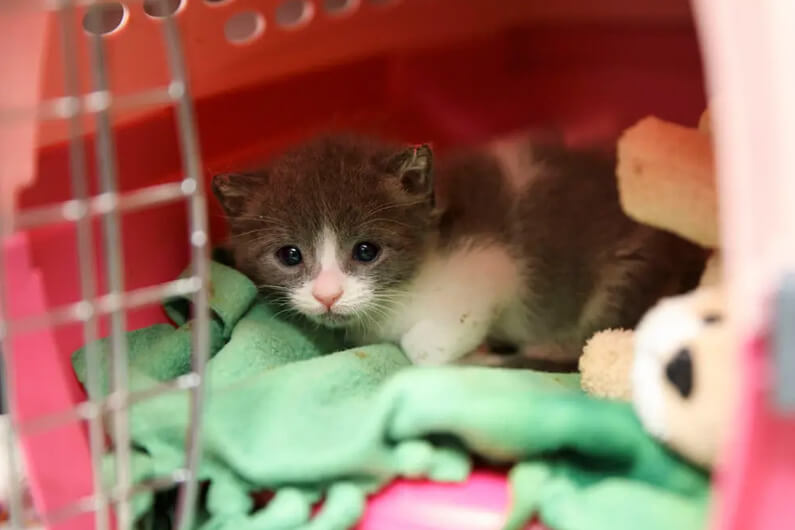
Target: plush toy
606 364
608 357
676 366
683 373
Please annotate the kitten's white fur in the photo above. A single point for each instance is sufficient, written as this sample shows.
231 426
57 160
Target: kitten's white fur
446 312
449 308
455 301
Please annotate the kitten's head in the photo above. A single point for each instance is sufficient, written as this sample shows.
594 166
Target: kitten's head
333 227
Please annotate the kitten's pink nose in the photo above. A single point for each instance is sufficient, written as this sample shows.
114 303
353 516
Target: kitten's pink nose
327 298
327 288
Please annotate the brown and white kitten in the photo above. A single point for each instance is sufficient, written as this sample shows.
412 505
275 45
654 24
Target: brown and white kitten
516 244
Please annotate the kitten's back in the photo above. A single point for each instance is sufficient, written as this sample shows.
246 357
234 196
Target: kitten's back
586 265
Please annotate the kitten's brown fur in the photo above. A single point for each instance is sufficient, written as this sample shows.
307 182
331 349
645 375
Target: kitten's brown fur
346 181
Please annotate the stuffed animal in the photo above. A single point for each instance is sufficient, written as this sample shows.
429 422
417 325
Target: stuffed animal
683 374
607 358
676 366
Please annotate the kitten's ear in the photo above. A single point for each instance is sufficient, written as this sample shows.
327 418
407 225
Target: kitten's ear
232 190
414 167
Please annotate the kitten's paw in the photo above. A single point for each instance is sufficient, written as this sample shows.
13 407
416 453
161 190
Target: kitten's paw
429 343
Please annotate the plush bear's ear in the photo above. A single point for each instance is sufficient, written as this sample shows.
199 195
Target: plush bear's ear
232 189
414 168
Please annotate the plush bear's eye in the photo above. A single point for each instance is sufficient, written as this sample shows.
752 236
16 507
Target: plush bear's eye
712 318
679 371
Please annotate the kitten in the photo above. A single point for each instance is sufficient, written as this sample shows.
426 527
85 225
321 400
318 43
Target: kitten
516 244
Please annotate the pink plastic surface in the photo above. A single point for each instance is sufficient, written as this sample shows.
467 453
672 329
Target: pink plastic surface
757 479
319 40
750 52
478 504
37 353
22 71
46 386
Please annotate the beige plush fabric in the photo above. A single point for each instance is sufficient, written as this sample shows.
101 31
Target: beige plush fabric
666 179
696 426
606 364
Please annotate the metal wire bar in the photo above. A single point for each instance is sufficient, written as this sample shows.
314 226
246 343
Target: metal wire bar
197 222
106 304
88 504
106 158
88 410
77 209
67 107
85 258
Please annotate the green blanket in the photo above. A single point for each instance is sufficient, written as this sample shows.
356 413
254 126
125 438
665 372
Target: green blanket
286 415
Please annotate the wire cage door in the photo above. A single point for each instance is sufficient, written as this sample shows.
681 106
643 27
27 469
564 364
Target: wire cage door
61 432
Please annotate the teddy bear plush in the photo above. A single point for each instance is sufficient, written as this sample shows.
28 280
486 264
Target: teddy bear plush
676 366
683 374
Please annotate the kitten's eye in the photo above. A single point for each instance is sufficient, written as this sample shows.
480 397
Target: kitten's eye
365 251
289 255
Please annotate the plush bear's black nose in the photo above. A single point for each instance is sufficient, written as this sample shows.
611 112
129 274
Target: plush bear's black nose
679 372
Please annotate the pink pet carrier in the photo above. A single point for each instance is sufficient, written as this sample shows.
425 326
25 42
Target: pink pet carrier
113 114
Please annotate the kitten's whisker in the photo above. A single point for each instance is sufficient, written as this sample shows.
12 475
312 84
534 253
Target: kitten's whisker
368 319
272 286
248 233
270 233
391 206
391 295
379 310
394 299
286 310
370 221
253 218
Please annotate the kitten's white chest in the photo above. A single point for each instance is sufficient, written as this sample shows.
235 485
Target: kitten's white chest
448 310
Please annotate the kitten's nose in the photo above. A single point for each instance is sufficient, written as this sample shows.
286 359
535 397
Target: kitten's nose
327 298
327 287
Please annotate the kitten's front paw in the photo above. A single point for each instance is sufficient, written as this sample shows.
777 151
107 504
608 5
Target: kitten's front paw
428 343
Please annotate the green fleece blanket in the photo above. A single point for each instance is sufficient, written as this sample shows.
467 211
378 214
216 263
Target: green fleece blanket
289 411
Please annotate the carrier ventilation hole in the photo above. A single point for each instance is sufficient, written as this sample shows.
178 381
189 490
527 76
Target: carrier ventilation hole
383 2
244 27
292 13
340 7
216 2
105 18
162 8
